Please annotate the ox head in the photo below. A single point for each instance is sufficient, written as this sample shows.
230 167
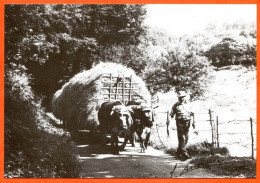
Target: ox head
143 114
122 116
147 115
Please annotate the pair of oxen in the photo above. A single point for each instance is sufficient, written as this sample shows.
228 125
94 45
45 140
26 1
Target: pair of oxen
120 120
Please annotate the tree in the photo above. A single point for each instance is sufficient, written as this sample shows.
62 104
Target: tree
57 41
181 66
232 52
235 43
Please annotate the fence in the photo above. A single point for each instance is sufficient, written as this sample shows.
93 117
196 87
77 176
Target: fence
221 131
247 132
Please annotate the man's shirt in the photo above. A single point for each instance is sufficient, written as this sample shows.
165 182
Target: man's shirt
182 111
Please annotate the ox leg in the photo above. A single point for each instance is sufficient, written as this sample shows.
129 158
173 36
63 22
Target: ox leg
112 141
129 135
103 137
147 140
122 147
132 135
116 145
142 146
132 138
139 134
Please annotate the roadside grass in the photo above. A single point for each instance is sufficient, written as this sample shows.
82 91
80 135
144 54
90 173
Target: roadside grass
201 149
231 167
218 161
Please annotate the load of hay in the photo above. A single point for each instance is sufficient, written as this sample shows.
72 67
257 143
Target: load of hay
78 101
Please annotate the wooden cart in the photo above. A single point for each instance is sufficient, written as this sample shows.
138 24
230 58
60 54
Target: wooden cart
116 87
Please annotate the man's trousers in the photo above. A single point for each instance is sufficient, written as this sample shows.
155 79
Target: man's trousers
183 135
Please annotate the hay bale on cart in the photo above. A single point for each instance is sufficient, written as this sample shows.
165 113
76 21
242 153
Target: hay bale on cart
78 101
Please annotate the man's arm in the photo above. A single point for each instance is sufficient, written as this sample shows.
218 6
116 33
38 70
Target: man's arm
173 111
193 120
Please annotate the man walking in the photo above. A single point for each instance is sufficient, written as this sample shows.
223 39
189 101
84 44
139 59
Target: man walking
183 114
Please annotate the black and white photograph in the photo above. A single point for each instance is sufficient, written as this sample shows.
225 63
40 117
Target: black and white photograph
109 91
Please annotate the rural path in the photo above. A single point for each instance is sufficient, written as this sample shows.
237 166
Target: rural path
99 162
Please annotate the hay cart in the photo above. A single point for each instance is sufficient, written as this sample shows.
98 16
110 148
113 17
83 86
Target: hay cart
78 101
116 87
113 88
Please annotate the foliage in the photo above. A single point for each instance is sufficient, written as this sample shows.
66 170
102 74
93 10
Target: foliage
232 52
179 67
57 41
31 150
236 44
227 166
130 56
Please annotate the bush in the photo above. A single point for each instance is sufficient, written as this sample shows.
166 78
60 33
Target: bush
181 69
232 52
32 147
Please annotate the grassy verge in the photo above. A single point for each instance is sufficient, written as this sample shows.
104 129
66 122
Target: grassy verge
218 161
232 167
201 149
33 148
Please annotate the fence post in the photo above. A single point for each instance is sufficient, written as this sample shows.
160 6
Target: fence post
117 87
252 137
110 87
130 91
217 133
123 86
168 122
212 135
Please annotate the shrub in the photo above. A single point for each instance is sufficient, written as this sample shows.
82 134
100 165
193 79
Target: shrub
32 147
181 69
232 52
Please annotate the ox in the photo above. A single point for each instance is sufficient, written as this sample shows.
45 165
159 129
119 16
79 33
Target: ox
143 121
114 118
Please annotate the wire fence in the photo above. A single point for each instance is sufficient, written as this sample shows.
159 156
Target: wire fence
240 132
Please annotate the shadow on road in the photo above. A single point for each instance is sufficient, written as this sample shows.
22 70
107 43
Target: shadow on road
98 161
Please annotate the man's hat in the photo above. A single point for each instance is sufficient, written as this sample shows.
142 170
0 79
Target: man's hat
181 94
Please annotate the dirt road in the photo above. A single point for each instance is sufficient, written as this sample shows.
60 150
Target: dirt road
99 162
